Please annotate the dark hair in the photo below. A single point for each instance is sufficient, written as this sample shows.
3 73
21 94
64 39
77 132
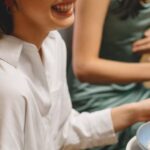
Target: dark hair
128 8
6 21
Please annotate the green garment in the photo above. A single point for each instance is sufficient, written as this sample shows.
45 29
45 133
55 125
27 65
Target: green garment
118 37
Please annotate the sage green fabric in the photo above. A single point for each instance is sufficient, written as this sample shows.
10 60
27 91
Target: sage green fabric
118 37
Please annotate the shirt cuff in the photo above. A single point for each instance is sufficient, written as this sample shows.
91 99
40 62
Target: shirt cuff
103 128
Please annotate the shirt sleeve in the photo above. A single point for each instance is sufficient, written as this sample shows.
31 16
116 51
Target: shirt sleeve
12 110
83 130
88 130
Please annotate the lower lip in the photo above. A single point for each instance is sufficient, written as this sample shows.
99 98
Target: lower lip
64 14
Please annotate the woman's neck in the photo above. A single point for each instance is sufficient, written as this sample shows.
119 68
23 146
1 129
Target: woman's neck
29 32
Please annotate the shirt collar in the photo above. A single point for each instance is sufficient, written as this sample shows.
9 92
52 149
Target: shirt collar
10 49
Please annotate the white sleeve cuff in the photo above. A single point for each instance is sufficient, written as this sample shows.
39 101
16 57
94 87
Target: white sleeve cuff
103 128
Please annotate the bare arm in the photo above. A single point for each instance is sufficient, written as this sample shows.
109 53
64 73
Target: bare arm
88 67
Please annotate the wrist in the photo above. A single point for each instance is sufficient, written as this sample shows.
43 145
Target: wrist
124 116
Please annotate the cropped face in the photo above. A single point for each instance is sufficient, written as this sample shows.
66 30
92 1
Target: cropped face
49 14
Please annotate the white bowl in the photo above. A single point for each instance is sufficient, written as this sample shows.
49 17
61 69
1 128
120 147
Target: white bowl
133 145
143 136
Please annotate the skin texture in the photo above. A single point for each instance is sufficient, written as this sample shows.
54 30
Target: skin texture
87 65
142 45
128 114
36 15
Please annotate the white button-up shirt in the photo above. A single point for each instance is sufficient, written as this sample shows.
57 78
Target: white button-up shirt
35 107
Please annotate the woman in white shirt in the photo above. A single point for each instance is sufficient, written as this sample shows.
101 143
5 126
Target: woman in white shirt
35 107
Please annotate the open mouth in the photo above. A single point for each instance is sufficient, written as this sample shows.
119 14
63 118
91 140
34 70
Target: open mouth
63 8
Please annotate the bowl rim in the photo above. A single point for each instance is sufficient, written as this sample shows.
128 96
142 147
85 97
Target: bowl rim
137 135
130 143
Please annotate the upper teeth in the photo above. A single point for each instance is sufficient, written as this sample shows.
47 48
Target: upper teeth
64 7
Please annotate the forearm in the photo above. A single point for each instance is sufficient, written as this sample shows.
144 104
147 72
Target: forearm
126 115
99 70
86 45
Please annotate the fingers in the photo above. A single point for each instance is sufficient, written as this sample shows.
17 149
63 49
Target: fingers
147 33
141 45
142 48
142 41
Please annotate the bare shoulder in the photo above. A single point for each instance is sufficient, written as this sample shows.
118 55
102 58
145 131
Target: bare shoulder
92 5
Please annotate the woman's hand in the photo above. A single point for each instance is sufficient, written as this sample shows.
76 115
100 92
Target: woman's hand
143 111
142 45
128 114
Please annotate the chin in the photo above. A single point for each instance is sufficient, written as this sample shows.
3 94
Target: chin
62 14
64 23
